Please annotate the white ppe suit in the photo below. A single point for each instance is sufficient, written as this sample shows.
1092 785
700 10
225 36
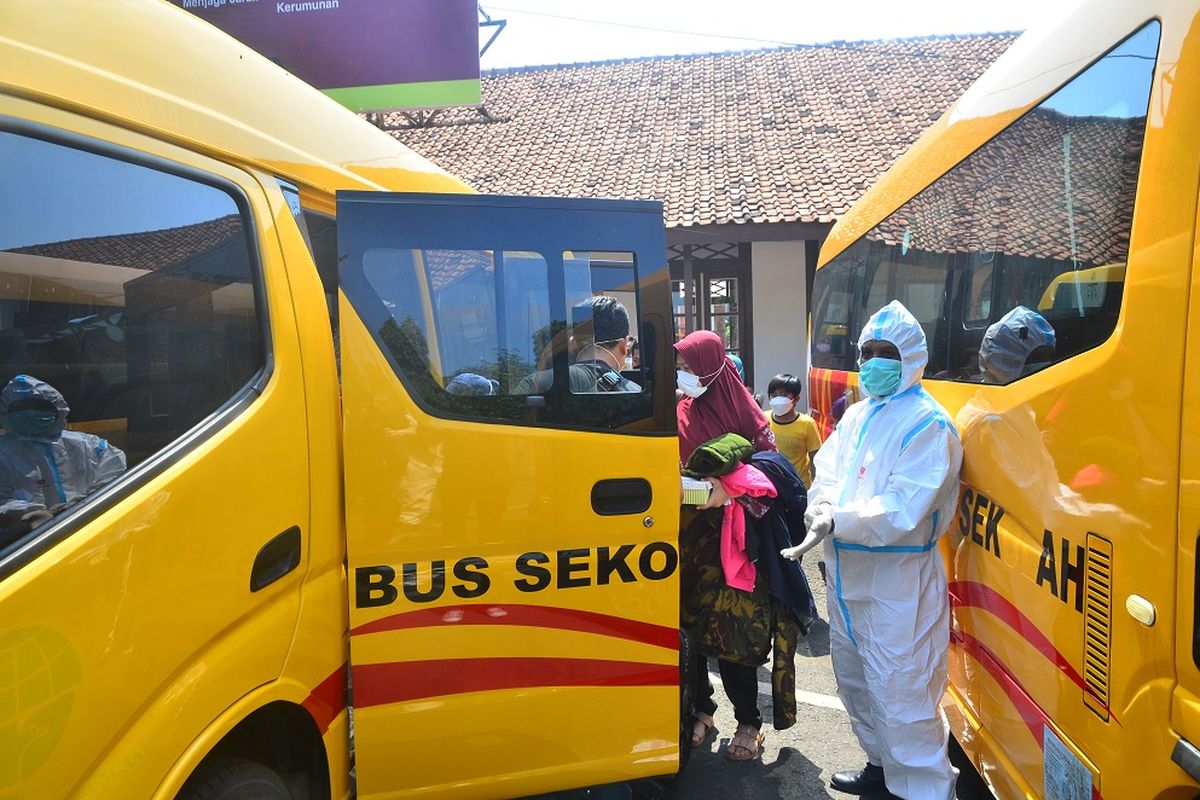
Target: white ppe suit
890 474
55 467
1008 343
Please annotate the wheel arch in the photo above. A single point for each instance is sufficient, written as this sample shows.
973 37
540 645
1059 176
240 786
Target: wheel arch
282 736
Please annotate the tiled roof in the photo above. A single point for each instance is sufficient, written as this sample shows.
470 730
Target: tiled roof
784 135
1012 197
149 250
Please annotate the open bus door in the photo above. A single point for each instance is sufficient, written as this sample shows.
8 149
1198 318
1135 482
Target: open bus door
512 532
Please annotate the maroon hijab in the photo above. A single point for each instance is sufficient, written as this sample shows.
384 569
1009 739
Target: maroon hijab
726 407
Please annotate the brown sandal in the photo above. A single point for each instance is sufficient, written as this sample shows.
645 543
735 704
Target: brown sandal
745 744
703 725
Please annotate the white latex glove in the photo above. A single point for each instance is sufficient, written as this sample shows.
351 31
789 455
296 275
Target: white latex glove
816 510
818 529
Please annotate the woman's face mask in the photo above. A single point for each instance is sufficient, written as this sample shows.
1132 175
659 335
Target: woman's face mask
880 377
30 423
694 385
689 384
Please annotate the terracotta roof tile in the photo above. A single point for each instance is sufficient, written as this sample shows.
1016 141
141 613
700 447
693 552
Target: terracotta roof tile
784 135
151 250
974 208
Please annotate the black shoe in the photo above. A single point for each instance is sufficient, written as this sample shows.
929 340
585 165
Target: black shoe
867 780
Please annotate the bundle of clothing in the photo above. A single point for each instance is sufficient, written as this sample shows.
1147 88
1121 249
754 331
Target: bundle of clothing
742 600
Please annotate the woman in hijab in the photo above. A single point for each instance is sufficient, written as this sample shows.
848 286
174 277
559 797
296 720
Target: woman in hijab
715 614
715 401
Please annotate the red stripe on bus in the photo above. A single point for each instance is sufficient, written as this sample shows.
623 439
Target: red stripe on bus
964 594
527 615
328 699
380 684
1031 713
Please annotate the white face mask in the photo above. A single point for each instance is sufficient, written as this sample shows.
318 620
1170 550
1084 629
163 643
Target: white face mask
781 405
689 384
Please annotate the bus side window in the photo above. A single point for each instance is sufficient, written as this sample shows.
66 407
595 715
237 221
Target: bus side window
474 333
1036 224
129 290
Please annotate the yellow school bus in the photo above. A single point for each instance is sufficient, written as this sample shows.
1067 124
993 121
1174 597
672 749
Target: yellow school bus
343 525
1062 185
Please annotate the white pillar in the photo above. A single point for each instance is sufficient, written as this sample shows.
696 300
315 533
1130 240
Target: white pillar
780 312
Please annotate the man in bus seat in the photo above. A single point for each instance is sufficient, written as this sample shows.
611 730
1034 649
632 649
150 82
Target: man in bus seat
885 489
599 343
1019 343
43 467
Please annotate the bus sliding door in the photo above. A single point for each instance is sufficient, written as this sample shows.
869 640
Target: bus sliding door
511 492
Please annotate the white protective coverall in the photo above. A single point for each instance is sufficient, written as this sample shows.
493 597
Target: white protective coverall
1009 341
890 471
57 467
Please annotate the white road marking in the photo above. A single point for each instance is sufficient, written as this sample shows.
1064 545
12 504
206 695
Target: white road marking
802 696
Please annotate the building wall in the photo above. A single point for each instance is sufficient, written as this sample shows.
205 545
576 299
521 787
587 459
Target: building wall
780 321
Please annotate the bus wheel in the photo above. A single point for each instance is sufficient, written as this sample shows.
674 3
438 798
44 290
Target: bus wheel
235 779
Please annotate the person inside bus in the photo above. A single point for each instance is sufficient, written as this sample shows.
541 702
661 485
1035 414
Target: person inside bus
598 345
1018 344
43 467
468 384
885 488
715 402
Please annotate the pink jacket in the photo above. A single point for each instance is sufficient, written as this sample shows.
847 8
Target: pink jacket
740 571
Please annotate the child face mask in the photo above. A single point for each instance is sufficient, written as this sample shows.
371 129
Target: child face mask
781 405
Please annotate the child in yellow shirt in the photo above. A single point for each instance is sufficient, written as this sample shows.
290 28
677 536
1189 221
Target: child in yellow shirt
796 434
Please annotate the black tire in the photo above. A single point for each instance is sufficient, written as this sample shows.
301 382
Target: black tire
234 779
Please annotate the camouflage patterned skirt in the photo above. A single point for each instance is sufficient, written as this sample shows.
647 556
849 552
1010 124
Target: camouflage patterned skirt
733 625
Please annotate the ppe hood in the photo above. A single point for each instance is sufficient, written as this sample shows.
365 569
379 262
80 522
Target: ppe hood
893 323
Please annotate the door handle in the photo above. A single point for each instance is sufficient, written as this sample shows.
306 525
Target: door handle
277 558
1187 757
621 496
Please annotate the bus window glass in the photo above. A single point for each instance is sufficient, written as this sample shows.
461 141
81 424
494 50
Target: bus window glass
1038 217
466 325
476 334
128 294
834 316
602 304
881 286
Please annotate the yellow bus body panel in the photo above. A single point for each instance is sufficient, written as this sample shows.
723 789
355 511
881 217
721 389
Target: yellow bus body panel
126 621
124 693
444 502
1017 663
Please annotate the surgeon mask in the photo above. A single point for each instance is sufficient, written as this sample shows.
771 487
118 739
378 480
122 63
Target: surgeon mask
32 423
689 384
695 385
781 405
880 377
